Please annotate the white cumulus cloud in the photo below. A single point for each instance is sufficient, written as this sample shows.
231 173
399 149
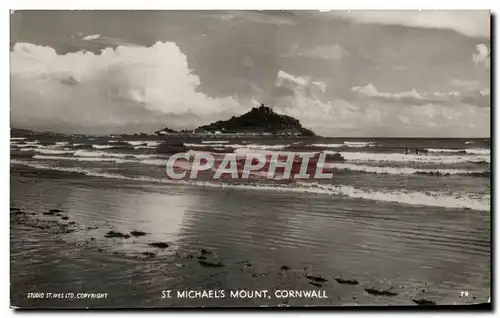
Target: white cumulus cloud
113 90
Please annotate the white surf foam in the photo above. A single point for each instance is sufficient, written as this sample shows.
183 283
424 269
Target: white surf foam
478 151
154 162
136 142
246 151
17 138
398 157
149 145
429 198
396 170
43 157
102 146
444 150
236 146
52 151
87 153
359 144
475 151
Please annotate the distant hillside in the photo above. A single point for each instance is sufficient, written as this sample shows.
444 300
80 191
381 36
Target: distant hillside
19 132
259 119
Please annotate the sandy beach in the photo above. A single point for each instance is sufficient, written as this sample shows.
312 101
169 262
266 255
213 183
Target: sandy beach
354 251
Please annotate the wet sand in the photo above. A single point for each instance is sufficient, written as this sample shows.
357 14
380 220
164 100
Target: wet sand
226 239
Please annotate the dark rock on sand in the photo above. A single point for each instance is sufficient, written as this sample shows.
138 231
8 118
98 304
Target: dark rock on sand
242 262
159 244
15 209
65 218
100 250
284 268
257 274
316 284
346 281
320 279
210 264
377 292
48 213
137 233
204 251
246 263
424 302
116 234
149 254
55 210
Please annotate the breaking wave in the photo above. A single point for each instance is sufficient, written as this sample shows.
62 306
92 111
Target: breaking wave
397 157
429 198
359 144
155 162
102 146
445 150
214 142
85 153
236 146
51 151
479 151
404 170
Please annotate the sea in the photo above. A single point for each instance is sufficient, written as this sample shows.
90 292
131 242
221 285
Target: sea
389 228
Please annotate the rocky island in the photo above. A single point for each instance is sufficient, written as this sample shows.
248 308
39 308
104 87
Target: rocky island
258 121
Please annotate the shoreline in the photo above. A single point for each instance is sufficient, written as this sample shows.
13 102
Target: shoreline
181 265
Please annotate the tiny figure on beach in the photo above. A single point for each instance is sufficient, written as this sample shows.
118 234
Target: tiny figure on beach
416 151
406 151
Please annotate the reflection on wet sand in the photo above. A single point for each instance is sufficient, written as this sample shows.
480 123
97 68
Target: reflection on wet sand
261 241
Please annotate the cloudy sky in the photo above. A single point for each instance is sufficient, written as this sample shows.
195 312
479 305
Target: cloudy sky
358 73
